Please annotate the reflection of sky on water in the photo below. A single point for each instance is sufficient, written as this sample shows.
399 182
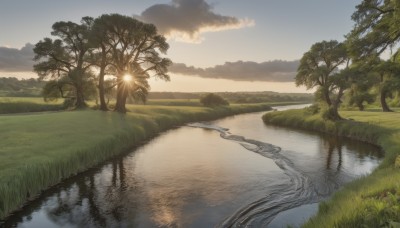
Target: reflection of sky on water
192 177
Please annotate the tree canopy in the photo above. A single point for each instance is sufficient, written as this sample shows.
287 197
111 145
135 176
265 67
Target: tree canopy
319 67
114 45
376 27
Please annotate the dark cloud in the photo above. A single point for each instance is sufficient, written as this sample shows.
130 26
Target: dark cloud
16 60
186 19
272 71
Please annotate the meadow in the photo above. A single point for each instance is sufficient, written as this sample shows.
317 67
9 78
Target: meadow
371 201
40 150
28 104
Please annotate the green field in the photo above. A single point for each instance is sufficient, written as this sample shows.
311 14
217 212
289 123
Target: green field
28 104
39 150
371 201
12 105
174 102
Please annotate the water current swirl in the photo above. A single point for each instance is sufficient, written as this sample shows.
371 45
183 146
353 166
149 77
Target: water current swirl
298 190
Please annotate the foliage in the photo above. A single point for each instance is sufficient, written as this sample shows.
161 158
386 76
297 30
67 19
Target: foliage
13 87
240 97
319 67
376 27
397 162
134 49
64 60
376 30
313 109
212 100
54 149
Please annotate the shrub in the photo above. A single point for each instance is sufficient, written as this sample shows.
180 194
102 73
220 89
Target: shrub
397 162
313 109
212 100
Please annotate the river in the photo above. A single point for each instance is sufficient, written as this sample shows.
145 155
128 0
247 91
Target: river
232 172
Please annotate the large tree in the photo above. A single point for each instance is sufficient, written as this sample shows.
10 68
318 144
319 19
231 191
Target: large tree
376 30
101 57
361 85
319 67
376 27
135 49
389 77
64 60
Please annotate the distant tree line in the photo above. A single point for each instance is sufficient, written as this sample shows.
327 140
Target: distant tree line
239 97
111 52
13 87
355 67
212 100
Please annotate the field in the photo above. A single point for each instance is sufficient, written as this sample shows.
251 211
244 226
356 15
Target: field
28 104
174 102
371 201
12 105
39 150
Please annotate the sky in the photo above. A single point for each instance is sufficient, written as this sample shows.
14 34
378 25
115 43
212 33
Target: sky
216 45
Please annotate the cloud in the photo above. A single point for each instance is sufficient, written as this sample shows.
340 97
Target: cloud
272 71
185 20
16 60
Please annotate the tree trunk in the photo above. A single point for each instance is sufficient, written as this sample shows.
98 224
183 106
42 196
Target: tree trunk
334 113
326 96
78 78
385 106
103 104
80 98
122 94
360 107
333 109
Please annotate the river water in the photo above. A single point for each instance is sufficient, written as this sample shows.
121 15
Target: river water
232 172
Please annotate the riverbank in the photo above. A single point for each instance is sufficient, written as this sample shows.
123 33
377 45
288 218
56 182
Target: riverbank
370 201
40 150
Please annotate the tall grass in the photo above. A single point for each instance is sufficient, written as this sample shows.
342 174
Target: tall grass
37 151
371 201
10 105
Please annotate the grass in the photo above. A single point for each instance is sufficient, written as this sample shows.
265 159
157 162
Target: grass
27 104
40 150
371 201
12 105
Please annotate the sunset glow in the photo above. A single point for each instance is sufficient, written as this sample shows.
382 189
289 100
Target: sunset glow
127 78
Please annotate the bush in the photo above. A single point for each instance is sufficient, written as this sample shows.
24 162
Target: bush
313 109
211 100
397 162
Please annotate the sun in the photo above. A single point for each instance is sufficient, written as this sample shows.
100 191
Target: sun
127 78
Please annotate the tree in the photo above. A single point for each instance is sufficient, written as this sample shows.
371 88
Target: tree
135 49
359 91
376 28
66 57
101 56
212 100
319 67
362 81
389 77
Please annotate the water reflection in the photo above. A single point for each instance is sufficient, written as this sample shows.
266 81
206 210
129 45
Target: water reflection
193 178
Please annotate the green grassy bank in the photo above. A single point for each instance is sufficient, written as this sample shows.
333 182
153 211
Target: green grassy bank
371 201
39 150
